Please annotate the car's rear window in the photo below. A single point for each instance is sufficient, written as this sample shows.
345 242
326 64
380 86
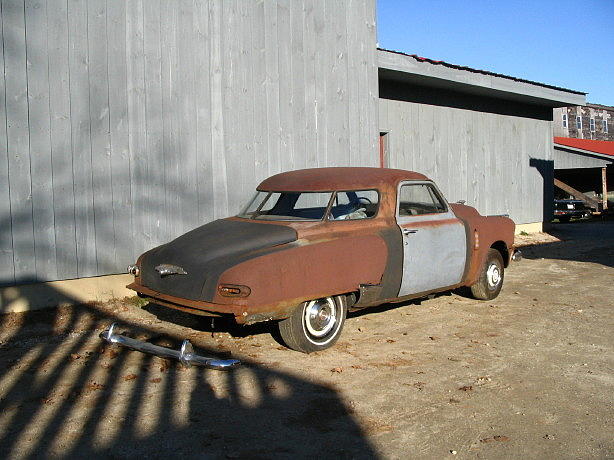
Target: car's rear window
342 205
287 206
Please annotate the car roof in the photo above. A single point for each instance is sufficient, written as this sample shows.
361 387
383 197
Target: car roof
336 178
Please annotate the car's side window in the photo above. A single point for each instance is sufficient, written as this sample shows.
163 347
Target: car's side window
417 199
356 204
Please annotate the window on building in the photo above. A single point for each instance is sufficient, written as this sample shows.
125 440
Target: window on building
564 120
579 122
605 126
592 125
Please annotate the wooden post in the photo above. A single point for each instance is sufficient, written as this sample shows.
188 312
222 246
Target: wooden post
577 194
604 187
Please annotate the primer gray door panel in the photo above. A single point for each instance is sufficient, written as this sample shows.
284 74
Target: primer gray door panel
434 249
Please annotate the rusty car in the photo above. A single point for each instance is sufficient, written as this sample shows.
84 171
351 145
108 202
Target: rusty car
313 244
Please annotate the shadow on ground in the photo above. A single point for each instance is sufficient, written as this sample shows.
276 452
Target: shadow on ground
592 240
63 393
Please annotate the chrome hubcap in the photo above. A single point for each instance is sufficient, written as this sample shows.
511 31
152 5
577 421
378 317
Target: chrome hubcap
320 317
493 275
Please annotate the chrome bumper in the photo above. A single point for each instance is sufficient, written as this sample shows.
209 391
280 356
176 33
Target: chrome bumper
185 355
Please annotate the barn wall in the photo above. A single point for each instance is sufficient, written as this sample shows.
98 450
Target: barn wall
565 159
495 162
125 124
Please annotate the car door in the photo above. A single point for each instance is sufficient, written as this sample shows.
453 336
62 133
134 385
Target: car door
434 239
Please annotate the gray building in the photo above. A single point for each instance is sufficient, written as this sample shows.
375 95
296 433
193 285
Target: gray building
125 124
583 169
485 138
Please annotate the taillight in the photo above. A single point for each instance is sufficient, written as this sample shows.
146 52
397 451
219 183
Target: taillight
233 290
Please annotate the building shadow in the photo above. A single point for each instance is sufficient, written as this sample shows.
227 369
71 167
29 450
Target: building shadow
581 241
64 393
546 170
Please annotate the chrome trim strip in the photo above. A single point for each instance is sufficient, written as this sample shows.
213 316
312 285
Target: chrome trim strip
185 355
168 269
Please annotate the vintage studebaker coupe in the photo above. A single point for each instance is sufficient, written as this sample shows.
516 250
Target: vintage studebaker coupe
315 243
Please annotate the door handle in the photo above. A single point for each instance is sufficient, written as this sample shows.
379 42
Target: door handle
407 231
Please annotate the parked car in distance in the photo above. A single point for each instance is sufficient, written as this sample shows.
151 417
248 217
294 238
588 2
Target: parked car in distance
315 243
565 210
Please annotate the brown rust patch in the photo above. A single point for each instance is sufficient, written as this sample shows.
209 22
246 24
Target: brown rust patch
312 271
336 178
489 230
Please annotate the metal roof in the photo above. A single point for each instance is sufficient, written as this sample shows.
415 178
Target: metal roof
482 72
587 145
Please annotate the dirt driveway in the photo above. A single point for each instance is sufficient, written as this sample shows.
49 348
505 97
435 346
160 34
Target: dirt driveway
528 375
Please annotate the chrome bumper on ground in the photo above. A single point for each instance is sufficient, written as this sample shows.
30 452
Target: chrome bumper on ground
185 355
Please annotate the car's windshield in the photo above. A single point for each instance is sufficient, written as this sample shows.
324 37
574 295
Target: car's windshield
345 205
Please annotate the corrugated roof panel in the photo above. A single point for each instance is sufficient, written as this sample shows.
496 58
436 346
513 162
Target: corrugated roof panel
602 147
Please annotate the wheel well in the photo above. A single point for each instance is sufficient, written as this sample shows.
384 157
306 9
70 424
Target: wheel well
502 248
352 298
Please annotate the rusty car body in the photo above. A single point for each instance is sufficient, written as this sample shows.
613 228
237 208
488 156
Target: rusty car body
365 236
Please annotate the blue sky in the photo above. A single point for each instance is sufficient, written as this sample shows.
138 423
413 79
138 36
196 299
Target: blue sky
563 43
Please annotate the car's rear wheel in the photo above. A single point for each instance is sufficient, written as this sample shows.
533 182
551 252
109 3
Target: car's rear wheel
315 325
490 282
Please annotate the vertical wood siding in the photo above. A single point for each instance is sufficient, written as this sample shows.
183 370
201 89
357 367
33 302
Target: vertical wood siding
126 123
564 159
483 158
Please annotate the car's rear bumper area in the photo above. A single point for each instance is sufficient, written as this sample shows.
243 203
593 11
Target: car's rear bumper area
578 213
186 305
185 355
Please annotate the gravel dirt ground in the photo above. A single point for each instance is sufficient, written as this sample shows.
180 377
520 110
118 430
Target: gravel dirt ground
527 375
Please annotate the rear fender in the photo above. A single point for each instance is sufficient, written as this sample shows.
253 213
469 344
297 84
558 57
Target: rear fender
484 233
307 270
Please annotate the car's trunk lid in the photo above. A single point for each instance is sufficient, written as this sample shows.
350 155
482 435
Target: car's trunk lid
206 252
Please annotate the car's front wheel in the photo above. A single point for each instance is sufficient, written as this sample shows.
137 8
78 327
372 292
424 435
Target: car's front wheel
314 325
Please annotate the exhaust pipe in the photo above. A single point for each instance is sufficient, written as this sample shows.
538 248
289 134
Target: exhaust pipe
185 355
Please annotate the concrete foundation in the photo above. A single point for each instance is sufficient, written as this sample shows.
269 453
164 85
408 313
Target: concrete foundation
27 297
533 227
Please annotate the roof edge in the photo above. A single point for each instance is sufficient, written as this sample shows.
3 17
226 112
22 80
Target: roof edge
425 67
